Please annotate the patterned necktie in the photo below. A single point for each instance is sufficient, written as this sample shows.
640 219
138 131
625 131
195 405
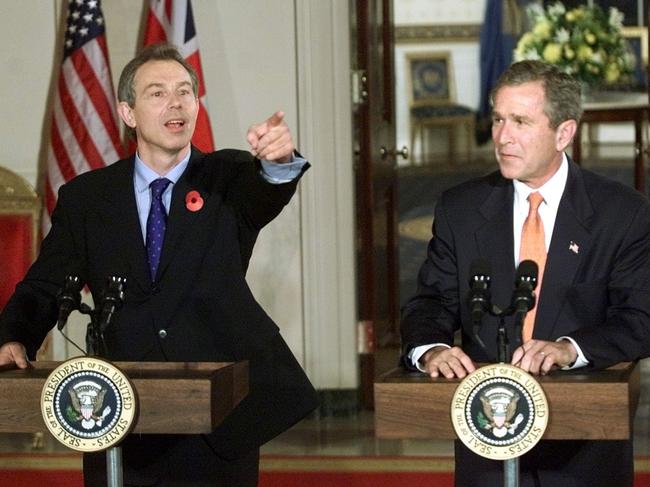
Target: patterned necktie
156 224
533 247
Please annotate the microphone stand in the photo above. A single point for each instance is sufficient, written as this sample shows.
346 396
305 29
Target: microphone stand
504 355
95 345
522 303
503 343
100 319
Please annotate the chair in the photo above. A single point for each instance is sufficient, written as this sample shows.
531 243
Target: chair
637 39
432 100
20 209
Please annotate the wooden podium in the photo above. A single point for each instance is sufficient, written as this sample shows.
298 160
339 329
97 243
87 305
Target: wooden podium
206 392
582 405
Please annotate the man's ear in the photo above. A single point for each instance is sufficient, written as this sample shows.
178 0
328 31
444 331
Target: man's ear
564 134
126 114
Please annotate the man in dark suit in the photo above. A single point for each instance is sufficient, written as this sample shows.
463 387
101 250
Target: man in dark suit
593 308
188 300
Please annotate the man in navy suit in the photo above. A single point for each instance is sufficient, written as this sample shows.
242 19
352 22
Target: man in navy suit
194 304
593 308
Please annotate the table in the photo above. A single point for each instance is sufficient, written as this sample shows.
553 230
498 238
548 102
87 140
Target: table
618 107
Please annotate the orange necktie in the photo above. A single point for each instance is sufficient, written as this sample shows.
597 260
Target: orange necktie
533 248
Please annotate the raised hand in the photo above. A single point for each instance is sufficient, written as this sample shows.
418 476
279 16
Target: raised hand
271 140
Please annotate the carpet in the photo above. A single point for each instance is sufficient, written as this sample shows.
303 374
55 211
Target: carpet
64 470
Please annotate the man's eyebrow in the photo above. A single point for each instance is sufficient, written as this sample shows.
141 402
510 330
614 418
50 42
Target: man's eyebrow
153 85
512 116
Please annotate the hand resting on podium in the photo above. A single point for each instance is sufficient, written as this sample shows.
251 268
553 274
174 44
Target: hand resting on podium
13 354
537 357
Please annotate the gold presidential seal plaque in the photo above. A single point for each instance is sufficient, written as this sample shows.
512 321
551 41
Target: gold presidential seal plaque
499 411
88 404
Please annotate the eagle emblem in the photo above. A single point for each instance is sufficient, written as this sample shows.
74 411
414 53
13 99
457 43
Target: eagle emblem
499 408
87 399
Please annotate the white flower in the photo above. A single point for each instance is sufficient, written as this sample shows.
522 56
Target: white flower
535 11
562 36
556 10
583 42
533 55
597 58
615 18
629 60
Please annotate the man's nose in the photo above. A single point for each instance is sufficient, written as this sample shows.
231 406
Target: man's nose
502 134
174 100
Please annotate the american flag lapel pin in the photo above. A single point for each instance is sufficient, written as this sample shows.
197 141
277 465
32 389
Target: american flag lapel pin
573 247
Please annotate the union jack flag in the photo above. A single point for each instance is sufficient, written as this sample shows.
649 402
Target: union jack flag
173 21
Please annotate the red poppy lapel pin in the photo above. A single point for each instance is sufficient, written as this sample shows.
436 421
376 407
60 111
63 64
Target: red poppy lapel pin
193 201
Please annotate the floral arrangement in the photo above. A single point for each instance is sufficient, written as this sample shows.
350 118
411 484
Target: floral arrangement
584 42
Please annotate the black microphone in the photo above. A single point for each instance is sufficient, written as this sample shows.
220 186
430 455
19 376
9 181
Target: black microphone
68 299
479 288
479 294
523 298
112 300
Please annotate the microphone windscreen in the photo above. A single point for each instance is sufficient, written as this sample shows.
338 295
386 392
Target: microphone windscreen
527 269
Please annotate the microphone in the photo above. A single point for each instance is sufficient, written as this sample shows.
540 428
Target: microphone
68 299
523 298
479 288
479 294
112 300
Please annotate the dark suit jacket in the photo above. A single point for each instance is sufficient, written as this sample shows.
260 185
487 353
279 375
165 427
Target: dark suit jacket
200 296
599 295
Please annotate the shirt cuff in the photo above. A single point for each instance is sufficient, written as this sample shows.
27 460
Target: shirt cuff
581 360
416 354
276 173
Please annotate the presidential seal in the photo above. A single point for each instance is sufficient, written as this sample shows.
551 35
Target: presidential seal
499 411
88 404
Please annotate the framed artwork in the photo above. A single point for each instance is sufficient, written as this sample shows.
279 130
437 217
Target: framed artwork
430 78
637 38
635 11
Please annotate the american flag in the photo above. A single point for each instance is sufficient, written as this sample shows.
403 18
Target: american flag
84 131
172 21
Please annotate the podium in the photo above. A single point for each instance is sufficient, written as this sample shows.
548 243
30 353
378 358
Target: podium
412 405
206 392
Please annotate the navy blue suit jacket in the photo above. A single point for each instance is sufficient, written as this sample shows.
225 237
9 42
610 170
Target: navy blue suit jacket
596 287
200 296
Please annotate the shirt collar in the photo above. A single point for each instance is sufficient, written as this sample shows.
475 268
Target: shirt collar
551 190
144 175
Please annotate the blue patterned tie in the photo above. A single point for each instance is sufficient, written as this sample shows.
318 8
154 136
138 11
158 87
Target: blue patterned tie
156 224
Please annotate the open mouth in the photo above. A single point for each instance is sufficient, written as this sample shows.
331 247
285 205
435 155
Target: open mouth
175 124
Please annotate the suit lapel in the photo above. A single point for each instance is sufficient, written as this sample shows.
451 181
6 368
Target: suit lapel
181 220
570 241
495 242
125 223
